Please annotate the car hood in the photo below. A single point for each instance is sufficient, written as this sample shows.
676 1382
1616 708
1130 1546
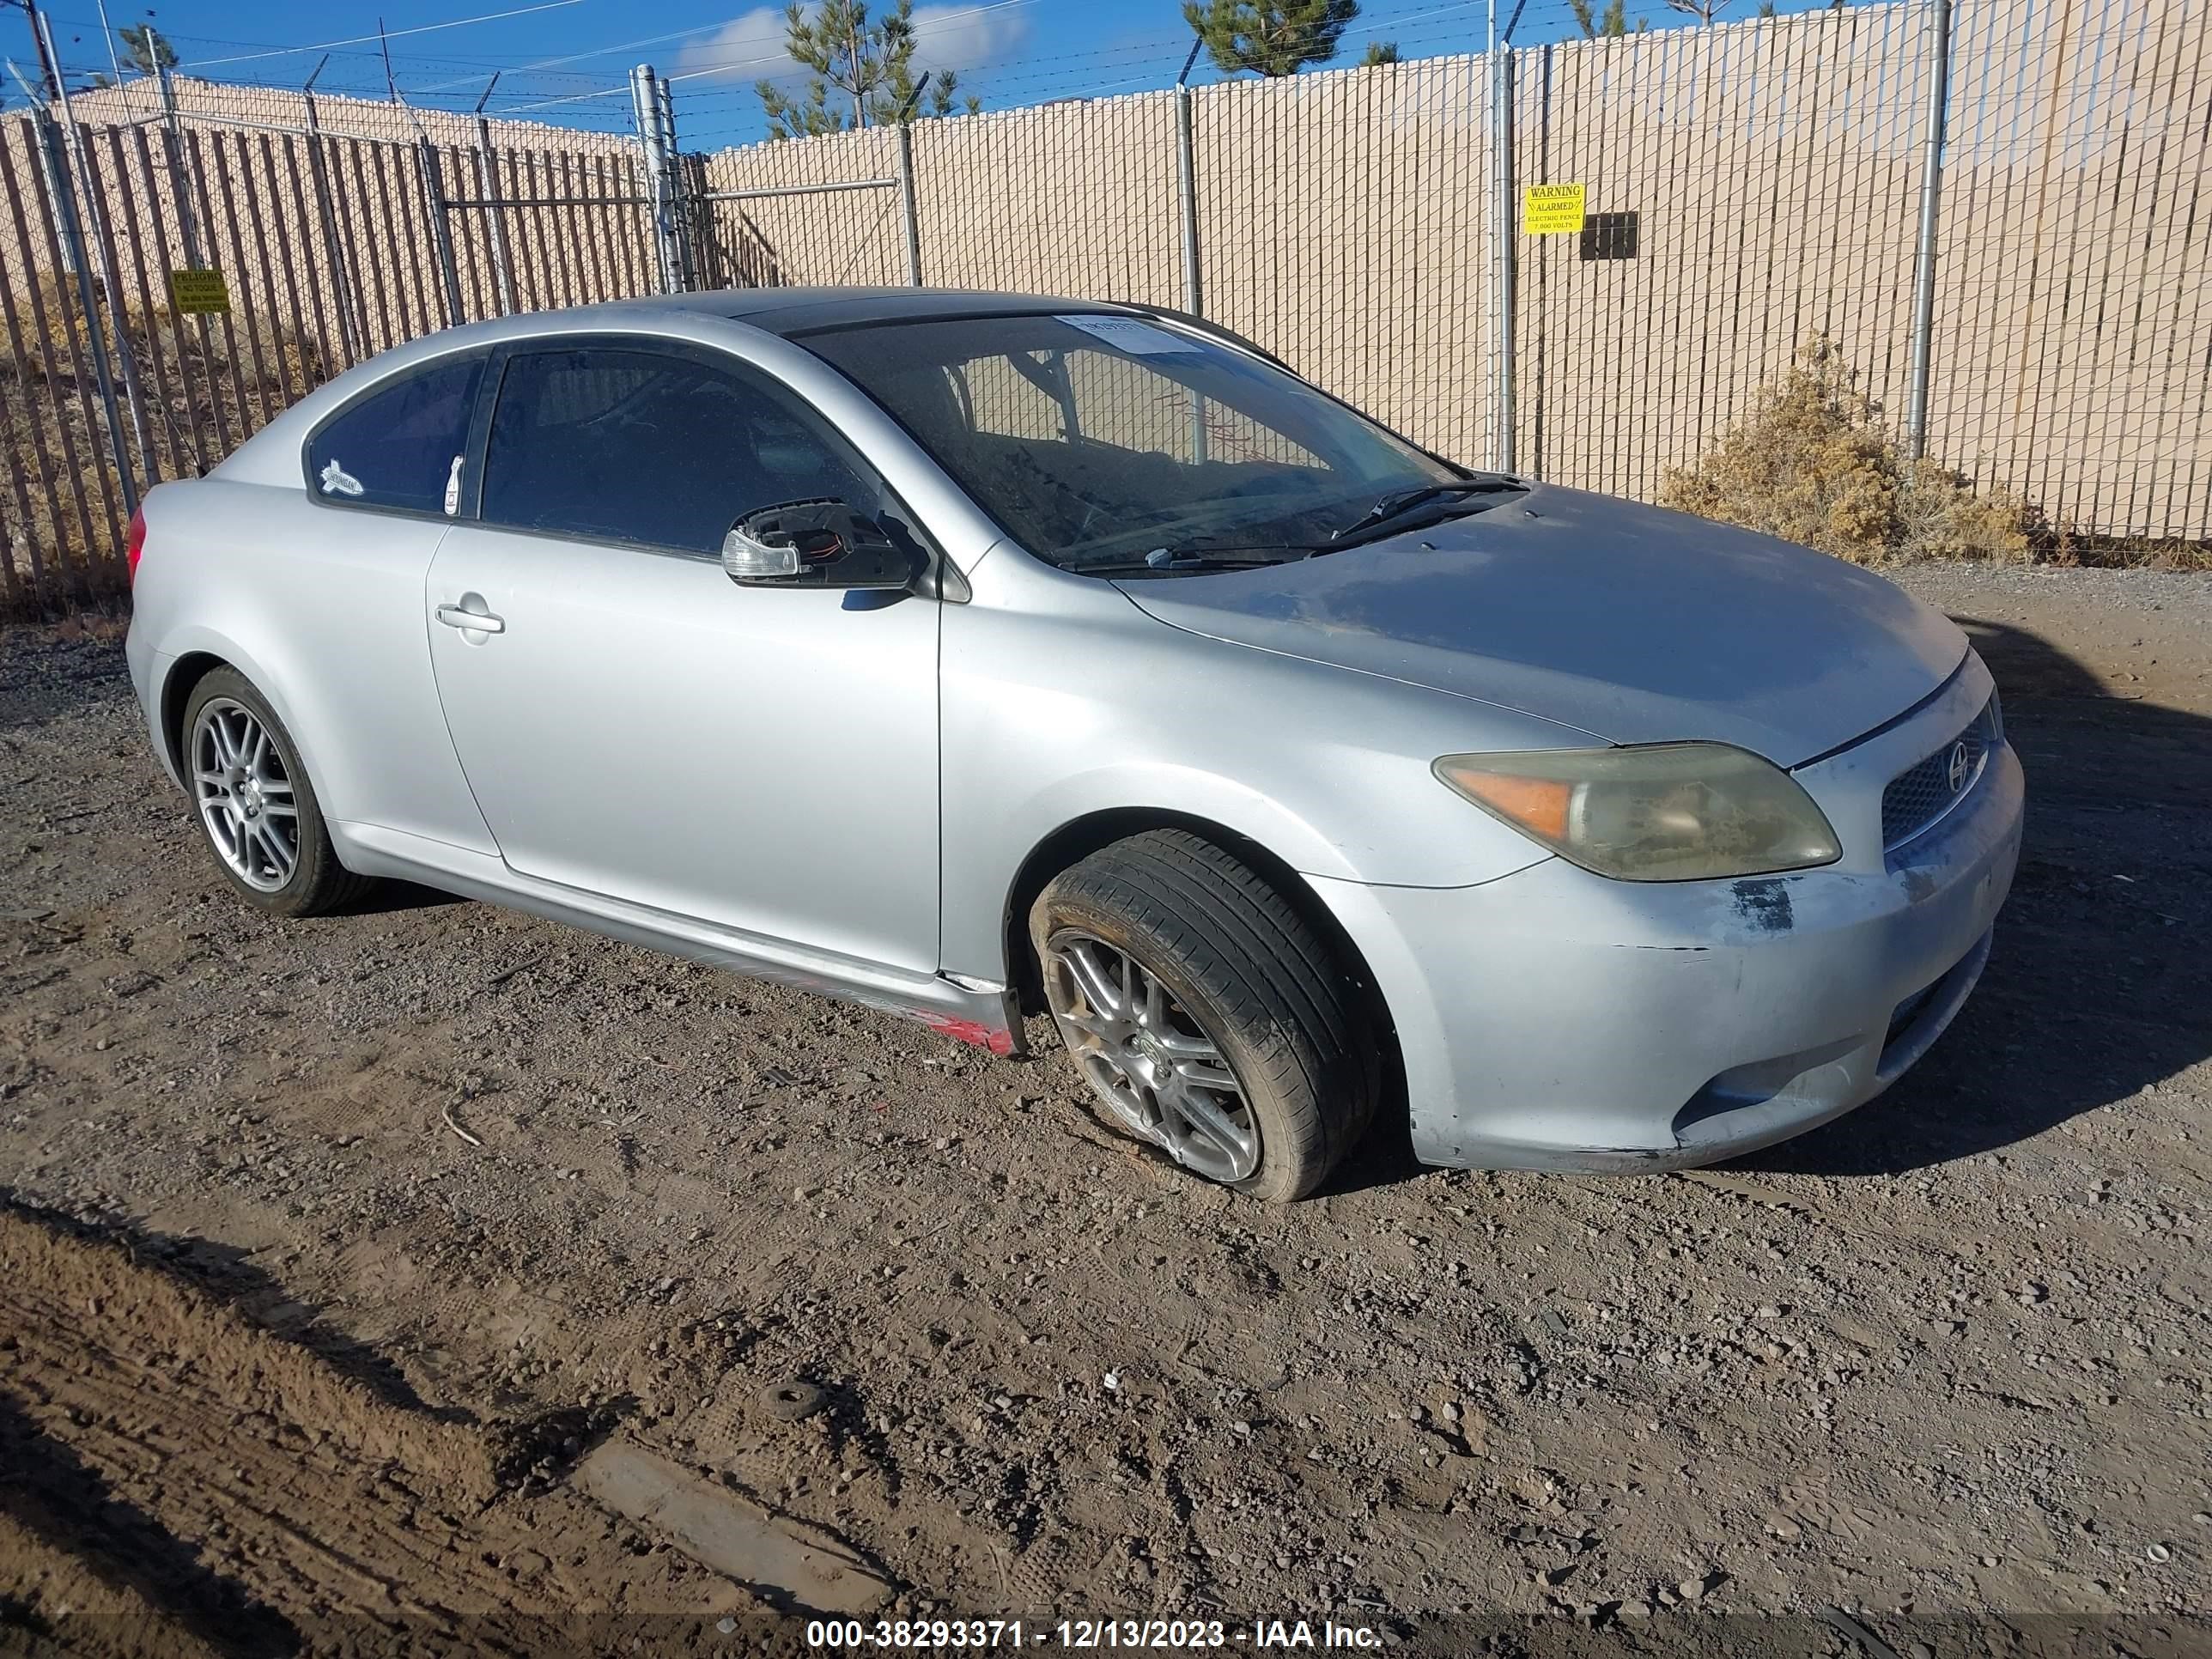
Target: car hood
1636 624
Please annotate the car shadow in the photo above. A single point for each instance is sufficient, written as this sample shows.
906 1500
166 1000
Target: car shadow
390 894
1384 1156
2095 991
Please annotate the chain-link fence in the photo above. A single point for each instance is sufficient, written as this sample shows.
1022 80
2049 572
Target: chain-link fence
1768 174
2072 356
329 249
1991 210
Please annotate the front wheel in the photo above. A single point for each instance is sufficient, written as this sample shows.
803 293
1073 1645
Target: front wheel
1205 1013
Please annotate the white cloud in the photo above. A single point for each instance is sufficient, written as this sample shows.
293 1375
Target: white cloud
745 49
956 36
959 36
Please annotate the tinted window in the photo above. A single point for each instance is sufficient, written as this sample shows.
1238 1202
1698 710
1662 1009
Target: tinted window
397 447
640 446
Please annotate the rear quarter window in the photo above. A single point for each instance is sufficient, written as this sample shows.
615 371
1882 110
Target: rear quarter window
395 448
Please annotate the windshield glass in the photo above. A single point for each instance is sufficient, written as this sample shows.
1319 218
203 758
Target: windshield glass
1097 439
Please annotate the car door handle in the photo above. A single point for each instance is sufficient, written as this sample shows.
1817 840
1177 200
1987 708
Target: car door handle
478 622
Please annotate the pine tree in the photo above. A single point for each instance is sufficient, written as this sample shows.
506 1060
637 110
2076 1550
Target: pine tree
867 65
1379 52
1611 25
1273 38
145 47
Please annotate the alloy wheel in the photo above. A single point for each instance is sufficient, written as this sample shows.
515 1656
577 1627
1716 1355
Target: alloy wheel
244 791
1149 1058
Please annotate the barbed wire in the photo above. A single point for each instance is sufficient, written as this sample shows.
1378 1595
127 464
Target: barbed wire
564 96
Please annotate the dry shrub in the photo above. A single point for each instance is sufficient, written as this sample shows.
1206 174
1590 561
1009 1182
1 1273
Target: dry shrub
1814 463
204 391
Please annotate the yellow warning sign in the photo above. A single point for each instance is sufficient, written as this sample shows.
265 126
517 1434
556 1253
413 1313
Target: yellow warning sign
198 293
1548 209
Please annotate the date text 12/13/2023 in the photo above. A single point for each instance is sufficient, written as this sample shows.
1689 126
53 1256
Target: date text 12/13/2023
1088 1635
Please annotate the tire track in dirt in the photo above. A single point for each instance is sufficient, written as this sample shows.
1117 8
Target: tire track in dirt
175 1478
1937 1365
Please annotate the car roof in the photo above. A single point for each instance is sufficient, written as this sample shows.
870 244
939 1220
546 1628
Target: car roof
785 311
789 310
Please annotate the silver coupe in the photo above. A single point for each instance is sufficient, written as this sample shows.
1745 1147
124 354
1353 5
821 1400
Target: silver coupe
962 654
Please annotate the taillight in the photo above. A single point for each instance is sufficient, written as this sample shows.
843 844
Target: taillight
134 542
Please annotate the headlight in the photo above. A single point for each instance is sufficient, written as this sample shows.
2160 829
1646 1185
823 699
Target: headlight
1665 811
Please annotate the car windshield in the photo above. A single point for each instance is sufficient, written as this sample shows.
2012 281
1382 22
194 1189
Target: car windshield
1102 440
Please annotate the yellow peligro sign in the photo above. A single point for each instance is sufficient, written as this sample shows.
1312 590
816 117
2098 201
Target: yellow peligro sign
198 293
1548 209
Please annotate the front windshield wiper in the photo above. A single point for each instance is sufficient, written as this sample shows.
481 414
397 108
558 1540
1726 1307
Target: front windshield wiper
1205 554
1393 503
1166 561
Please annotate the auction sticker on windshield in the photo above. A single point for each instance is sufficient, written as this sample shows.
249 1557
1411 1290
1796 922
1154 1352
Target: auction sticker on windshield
1132 334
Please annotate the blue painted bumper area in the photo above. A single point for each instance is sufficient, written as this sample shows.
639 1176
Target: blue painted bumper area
1554 1020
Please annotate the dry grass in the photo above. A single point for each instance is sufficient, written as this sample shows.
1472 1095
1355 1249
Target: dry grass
1814 463
206 383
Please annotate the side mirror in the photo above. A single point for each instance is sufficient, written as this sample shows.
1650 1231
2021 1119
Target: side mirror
814 544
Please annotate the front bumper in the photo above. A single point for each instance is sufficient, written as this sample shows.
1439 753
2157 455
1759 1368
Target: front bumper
1555 1019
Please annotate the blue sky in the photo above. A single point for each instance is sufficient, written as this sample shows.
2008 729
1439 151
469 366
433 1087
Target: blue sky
566 61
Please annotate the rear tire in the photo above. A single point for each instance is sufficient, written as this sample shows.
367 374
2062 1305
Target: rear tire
255 803
1206 1013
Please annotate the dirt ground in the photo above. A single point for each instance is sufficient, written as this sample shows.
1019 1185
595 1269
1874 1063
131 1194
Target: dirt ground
335 1255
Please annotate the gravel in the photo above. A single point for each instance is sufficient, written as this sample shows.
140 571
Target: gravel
1940 1366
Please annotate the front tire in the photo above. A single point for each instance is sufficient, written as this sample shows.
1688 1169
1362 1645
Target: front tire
256 807
1206 1013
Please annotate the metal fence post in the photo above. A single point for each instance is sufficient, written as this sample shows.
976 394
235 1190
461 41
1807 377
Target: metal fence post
353 322
502 274
1931 201
907 209
909 213
680 215
495 216
1504 416
55 198
653 156
441 230
119 310
187 220
1193 288
72 230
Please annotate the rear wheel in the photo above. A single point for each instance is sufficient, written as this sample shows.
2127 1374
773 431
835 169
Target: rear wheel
257 807
1205 1013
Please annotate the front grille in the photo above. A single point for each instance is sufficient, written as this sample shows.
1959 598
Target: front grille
1925 791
